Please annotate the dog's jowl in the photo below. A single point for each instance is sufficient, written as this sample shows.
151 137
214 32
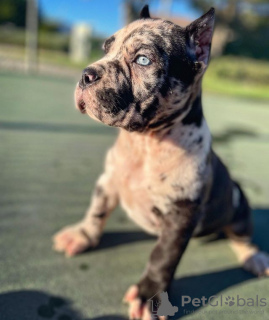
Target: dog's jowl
162 168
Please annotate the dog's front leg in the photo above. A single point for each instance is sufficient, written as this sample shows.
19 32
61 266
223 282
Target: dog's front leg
87 232
177 229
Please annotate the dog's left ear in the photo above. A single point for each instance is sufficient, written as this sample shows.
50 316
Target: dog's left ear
144 14
199 34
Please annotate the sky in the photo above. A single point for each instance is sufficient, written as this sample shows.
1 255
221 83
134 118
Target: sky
105 16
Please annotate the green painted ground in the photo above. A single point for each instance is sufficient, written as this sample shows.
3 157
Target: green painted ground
50 156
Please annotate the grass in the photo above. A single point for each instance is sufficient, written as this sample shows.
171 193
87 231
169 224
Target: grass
57 58
238 76
50 159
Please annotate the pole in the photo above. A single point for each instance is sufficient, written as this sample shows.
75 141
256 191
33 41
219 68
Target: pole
31 42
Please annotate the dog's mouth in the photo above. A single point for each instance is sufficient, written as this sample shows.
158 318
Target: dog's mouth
82 106
79 101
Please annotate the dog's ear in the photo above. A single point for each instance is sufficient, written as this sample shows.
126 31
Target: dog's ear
144 14
199 34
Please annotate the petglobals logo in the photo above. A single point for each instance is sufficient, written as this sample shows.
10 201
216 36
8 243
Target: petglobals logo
219 301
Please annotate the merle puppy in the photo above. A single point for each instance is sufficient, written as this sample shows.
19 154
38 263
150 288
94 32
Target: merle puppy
162 168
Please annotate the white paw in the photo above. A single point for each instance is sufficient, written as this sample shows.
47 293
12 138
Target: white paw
73 240
258 264
137 308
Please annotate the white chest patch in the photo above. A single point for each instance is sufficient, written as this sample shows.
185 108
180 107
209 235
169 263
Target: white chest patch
153 173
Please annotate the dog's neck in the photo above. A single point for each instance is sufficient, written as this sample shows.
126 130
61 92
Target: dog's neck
188 132
188 114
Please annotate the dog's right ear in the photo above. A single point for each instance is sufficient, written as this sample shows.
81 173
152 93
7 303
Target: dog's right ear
144 14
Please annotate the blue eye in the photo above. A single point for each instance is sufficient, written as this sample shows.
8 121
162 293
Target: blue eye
143 61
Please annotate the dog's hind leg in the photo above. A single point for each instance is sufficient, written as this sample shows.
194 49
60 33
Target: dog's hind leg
86 233
240 232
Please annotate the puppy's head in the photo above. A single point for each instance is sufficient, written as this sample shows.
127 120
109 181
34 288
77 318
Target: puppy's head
148 74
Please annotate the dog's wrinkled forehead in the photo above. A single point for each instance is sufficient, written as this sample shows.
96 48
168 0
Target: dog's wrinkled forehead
154 34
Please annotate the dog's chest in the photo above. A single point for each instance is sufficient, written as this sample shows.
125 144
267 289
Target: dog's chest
150 175
136 186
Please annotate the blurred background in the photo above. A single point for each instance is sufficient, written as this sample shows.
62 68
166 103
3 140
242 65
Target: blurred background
51 156
58 36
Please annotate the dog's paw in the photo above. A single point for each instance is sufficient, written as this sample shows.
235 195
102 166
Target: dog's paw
73 240
138 309
258 264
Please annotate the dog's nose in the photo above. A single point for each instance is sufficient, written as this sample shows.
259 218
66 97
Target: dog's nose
89 76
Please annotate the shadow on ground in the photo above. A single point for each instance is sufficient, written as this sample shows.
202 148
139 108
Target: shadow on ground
224 137
113 239
260 220
233 133
56 127
207 285
33 305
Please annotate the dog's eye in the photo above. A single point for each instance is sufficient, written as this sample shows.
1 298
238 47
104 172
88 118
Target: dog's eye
143 61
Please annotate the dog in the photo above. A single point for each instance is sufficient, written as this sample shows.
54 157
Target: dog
162 168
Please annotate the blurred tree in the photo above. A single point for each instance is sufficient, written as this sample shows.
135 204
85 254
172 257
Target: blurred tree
248 19
13 11
49 26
